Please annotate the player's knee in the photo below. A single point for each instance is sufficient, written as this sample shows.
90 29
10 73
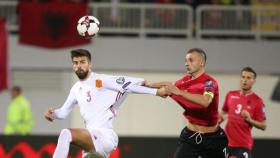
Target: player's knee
66 135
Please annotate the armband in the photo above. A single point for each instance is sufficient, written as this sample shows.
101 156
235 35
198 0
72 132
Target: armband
209 93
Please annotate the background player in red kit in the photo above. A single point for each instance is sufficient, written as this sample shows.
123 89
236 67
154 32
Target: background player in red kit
245 110
198 94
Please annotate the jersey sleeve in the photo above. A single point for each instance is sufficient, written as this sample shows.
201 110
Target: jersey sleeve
141 90
225 107
126 84
259 113
67 107
210 88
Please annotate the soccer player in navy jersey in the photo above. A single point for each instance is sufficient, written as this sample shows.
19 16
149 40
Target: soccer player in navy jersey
197 93
244 110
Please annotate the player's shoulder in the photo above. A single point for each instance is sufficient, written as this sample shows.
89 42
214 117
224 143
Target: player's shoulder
111 78
108 79
257 98
209 80
120 79
106 76
75 87
206 76
101 76
233 92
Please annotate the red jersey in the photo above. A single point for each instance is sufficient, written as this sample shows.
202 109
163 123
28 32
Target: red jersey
237 129
195 113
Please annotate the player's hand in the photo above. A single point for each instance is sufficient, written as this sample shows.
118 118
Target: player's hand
246 115
157 84
221 118
162 92
49 115
144 83
173 89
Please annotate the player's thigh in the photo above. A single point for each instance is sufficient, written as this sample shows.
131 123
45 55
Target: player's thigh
82 138
216 145
186 150
92 155
216 153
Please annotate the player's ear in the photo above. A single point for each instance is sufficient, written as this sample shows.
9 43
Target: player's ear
254 81
202 62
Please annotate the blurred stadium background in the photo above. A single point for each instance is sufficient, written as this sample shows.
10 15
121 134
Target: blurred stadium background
146 39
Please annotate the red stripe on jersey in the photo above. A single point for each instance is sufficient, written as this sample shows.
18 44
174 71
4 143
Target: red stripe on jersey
118 96
112 110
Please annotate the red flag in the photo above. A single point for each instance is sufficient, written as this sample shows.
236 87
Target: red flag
3 56
52 24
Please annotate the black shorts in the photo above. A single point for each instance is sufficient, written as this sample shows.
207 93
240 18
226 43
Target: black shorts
197 145
239 152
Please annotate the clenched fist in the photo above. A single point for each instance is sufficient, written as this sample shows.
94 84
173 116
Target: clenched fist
49 115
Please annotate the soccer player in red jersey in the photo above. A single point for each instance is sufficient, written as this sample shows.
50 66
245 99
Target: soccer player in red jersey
244 109
197 93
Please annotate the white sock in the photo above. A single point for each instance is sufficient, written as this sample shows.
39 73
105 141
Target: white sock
63 144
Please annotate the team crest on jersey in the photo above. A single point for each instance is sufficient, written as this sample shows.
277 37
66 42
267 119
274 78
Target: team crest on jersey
120 80
209 85
126 84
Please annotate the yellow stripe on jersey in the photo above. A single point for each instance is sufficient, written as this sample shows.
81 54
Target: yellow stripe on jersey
98 83
209 93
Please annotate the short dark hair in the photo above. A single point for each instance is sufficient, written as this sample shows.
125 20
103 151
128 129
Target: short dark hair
17 89
249 69
199 51
80 53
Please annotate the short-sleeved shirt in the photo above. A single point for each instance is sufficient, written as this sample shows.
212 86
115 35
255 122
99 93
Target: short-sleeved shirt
237 129
194 112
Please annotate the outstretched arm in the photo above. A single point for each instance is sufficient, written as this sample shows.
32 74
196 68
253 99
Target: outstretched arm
162 92
158 84
132 85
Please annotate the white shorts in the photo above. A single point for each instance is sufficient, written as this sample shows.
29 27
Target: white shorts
104 140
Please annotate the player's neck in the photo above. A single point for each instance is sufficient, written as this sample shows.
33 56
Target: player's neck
197 74
246 92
